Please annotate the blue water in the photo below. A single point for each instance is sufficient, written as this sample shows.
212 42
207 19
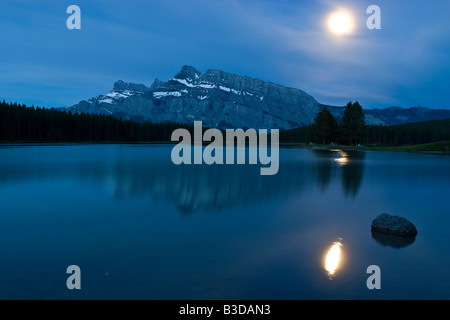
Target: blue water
140 227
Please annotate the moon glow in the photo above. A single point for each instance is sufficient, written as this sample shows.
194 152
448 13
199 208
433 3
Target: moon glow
341 23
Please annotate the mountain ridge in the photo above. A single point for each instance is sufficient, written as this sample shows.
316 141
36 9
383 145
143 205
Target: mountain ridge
225 100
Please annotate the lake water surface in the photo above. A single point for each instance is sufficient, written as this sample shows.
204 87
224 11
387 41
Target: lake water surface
140 227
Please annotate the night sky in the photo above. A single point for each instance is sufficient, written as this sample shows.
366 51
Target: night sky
406 63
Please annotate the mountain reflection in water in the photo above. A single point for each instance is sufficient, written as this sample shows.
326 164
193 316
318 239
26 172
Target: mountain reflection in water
131 171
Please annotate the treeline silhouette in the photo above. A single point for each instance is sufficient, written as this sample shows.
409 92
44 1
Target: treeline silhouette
404 134
410 133
32 124
326 130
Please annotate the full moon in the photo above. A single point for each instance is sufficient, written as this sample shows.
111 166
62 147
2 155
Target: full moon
340 23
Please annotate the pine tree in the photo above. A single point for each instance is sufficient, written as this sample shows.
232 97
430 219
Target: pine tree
353 122
324 127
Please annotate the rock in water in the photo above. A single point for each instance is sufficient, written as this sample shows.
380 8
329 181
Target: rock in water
394 225
393 241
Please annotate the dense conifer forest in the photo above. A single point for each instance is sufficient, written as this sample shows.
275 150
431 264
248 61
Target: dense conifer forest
405 134
19 123
353 131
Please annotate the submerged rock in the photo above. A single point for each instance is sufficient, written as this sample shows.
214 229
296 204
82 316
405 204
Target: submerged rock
394 225
394 241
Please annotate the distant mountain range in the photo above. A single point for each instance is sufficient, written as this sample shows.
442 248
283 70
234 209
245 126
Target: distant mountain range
223 100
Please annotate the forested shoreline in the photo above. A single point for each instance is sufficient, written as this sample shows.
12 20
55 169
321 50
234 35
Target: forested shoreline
19 123
398 135
352 130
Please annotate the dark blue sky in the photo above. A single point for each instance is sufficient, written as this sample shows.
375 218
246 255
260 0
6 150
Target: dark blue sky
406 63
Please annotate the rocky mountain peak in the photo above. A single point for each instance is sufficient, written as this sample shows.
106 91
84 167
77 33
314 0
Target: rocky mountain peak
123 86
225 100
188 72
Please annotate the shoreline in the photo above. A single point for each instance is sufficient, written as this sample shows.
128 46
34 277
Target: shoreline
439 148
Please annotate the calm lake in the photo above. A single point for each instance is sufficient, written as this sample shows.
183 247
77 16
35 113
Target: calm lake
140 227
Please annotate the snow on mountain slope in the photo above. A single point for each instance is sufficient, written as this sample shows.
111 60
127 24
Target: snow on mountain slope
223 100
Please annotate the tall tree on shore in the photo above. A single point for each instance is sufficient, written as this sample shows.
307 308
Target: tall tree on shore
324 128
353 122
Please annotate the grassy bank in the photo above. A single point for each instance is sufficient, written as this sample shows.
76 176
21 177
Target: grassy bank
442 147
435 147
